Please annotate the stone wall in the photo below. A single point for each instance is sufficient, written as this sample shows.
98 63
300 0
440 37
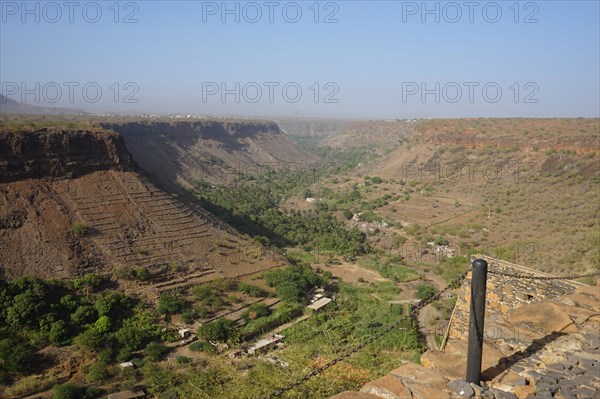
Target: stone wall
504 295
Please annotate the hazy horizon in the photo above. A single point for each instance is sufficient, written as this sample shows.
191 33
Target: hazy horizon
337 60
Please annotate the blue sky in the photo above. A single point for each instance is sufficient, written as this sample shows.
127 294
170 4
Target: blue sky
538 59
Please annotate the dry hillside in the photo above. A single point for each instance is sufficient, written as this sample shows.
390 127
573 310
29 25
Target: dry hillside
210 151
523 189
78 205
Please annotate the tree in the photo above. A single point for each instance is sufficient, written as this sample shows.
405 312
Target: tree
256 311
59 333
169 304
97 372
289 291
25 309
16 356
156 351
66 391
293 282
102 325
84 314
131 338
87 282
90 341
219 330
425 292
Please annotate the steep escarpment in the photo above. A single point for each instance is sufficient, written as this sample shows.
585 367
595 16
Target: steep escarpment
72 203
60 153
181 153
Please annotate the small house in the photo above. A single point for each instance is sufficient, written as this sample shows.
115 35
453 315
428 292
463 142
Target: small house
265 344
184 333
126 365
319 304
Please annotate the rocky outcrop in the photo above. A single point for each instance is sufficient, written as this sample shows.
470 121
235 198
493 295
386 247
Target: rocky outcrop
60 153
544 344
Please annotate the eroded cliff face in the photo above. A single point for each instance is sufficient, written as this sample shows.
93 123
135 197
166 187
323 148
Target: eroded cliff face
51 179
177 154
60 153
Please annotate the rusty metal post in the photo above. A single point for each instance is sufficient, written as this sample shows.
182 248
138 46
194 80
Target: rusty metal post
476 320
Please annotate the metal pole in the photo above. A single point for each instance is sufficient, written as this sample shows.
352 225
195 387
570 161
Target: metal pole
477 313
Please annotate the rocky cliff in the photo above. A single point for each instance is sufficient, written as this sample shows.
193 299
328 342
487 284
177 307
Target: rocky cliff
60 153
55 179
181 153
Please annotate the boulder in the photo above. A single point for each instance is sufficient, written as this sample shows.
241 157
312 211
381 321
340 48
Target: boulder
461 388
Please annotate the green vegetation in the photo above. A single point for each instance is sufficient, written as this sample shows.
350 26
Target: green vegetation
169 304
392 268
156 351
252 290
71 391
220 330
357 315
256 311
452 268
252 207
79 228
425 292
34 312
293 283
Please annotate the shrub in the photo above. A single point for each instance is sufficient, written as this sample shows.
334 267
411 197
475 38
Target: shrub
252 290
97 372
209 297
79 228
142 274
347 214
440 241
16 356
219 330
156 351
425 292
183 360
123 272
66 391
29 385
256 311
188 316
200 346
169 304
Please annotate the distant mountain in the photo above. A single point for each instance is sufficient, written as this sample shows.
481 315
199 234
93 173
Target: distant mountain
10 106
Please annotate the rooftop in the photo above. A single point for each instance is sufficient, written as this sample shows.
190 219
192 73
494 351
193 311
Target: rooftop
318 304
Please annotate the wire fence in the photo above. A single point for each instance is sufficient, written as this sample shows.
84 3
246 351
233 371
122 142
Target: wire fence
414 317
393 326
